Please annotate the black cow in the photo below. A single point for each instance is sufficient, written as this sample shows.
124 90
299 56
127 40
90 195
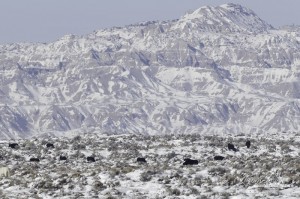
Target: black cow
141 160
34 160
62 158
248 144
13 145
90 159
49 145
218 157
189 161
231 147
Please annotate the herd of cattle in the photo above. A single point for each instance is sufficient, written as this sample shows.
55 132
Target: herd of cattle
187 161
48 145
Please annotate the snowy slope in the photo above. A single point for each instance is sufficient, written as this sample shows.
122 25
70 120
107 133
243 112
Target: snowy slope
215 70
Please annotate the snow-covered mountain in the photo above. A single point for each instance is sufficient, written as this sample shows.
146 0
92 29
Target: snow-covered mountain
216 70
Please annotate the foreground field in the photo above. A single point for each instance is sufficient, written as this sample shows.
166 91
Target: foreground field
269 169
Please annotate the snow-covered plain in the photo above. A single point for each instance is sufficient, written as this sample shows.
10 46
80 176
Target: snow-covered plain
268 169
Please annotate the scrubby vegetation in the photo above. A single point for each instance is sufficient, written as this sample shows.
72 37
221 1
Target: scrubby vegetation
269 169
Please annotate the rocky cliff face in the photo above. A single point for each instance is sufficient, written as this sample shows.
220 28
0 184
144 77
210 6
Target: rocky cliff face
216 70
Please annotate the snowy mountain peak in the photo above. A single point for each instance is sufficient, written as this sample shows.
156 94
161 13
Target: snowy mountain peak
216 70
225 18
237 8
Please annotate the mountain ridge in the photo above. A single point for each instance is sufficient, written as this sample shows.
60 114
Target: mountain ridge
177 76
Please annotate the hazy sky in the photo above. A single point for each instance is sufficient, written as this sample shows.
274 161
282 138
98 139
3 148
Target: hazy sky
47 20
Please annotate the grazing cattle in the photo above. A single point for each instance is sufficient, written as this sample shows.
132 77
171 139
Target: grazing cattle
13 145
34 160
231 147
189 161
4 171
62 158
218 157
90 159
49 145
141 160
248 144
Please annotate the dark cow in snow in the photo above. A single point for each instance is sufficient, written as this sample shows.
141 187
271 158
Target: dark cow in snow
90 159
49 145
62 157
141 160
34 160
218 157
248 144
189 161
231 147
13 145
